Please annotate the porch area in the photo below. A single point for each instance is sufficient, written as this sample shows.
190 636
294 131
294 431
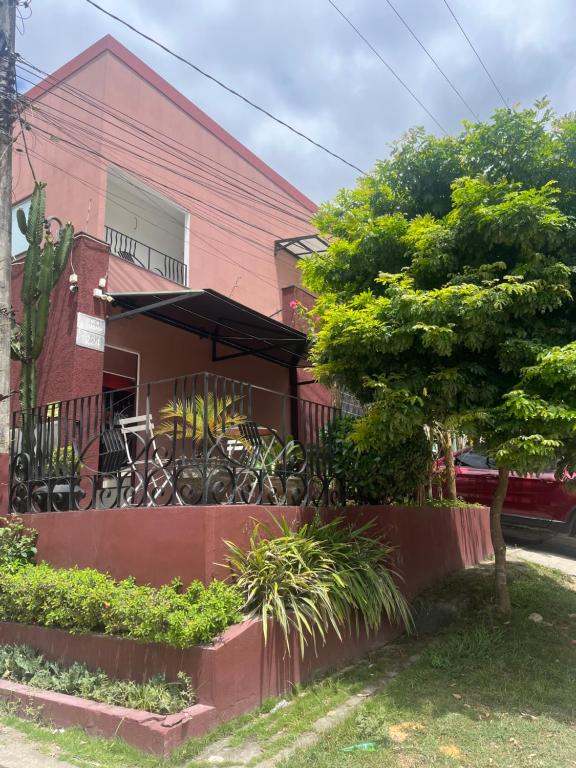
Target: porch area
200 439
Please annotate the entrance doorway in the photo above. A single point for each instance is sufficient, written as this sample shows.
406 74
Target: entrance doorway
120 384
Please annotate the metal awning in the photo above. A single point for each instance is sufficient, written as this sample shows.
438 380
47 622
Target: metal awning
226 322
303 246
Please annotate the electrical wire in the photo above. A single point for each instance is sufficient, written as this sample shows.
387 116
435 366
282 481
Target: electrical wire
226 87
20 16
471 44
104 193
434 61
165 186
383 61
138 188
210 220
207 164
203 167
253 202
24 128
117 199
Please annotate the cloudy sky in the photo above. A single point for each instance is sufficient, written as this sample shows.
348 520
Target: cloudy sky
301 61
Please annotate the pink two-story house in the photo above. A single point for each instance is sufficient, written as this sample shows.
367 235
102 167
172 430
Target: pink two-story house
183 286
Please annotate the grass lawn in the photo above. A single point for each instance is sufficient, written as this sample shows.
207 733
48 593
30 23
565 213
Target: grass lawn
482 694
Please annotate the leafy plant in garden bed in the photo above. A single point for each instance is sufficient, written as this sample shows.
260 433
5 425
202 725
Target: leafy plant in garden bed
373 468
85 600
17 542
323 575
21 664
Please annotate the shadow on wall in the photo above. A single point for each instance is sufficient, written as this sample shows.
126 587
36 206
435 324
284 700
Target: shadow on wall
156 545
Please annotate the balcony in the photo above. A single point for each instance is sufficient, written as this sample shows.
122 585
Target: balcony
198 439
135 252
145 228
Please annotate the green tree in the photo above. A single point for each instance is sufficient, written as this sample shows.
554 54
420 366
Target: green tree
448 290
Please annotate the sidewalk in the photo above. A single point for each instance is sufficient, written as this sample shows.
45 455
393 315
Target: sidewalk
16 751
558 552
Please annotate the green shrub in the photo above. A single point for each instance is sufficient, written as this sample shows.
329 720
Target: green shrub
25 665
325 574
64 463
378 473
17 542
85 600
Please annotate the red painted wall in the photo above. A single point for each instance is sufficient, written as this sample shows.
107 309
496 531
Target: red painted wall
239 670
66 370
157 544
317 393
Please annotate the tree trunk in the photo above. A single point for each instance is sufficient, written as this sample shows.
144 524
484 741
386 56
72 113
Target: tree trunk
502 592
449 465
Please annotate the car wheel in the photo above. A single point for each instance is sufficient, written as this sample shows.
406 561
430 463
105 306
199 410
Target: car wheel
572 524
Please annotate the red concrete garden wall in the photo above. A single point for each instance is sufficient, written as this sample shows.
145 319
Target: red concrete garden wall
157 544
232 676
238 671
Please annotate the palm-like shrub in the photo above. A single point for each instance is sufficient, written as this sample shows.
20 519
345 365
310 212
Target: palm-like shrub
325 574
198 418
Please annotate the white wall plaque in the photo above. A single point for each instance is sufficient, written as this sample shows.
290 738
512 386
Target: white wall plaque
90 331
89 323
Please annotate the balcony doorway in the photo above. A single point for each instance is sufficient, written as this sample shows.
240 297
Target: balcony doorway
145 228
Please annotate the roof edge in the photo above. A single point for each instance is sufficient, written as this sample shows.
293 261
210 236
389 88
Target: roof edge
109 44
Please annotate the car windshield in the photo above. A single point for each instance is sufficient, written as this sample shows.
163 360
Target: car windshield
474 460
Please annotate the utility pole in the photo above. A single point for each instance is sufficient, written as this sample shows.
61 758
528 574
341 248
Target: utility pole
7 111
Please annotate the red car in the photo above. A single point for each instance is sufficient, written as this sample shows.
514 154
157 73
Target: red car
539 502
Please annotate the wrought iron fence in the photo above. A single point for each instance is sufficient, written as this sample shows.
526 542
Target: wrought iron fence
198 439
143 255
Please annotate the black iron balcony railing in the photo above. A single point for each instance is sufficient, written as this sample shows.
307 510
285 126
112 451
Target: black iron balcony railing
143 255
198 439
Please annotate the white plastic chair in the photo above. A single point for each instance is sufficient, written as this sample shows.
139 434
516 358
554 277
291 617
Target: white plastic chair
146 466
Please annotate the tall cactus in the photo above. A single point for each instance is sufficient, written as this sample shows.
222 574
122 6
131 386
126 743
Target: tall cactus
44 263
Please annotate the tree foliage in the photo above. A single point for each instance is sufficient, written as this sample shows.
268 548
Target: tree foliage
447 293
375 467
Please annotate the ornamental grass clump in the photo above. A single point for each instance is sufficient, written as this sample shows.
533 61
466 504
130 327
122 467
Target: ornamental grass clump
323 575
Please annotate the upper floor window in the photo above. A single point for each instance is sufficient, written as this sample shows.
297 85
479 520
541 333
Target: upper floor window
144 228
19 242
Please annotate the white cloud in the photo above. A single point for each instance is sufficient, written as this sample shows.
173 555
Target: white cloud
301 61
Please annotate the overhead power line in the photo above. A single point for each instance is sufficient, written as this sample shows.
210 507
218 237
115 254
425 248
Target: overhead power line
164 185
212 215
224 256
118 200
186 171
226 87
388 66
471 44
434 61
243 190
130 123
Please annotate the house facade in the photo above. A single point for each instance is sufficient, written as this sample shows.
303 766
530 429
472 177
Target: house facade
184 263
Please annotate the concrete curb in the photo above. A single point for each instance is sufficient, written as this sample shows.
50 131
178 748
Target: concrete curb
159 734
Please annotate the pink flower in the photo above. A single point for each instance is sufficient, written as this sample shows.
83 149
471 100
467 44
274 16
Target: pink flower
294 304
